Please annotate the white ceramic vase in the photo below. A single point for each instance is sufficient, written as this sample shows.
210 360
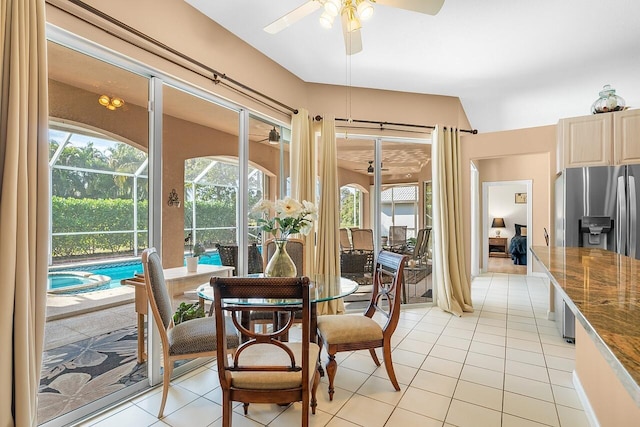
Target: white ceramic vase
192 264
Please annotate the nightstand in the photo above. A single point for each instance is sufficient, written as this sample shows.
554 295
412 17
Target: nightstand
498 247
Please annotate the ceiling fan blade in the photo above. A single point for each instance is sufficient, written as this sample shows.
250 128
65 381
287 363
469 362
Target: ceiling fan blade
429 7
352 40
292 17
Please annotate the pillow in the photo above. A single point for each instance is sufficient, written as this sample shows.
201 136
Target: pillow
519 228
523 231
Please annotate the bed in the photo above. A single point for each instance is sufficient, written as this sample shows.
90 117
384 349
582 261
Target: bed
518 245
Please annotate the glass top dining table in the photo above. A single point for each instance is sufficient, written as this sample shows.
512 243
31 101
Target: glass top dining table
323 288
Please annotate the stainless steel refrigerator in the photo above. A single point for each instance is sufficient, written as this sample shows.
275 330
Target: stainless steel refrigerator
597 207
601 208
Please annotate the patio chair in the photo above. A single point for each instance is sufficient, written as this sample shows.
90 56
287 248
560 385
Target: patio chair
397 238
347 333
358 266
187 340
229 257
264 369
362 239
345 242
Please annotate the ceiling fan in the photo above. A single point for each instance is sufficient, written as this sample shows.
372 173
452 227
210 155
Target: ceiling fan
273 138
370 169
351 13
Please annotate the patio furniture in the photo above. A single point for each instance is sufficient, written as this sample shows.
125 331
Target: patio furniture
264 369
229 257
362 239
187 340
397 238
346 333
345 242
358 266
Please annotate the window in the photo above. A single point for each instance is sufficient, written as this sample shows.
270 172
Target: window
350 207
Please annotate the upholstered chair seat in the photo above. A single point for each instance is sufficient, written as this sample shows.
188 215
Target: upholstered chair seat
341 329
268 355
198 335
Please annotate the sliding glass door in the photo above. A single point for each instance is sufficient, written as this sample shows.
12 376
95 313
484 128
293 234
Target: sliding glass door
99 224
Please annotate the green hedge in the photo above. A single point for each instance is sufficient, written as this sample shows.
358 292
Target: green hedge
72 215
89 215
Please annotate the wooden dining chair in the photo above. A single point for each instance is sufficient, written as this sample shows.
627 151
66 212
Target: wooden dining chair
264 369
295 249
187 340
339 332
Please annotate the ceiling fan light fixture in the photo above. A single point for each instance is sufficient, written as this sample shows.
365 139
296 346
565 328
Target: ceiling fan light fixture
353 23
365 9
104 100
332 7
370 168
117 102
274 136
110 103
326 20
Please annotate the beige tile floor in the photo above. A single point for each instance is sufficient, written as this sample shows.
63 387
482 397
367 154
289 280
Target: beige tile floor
503 365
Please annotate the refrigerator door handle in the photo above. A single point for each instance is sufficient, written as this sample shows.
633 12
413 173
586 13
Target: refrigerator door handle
633 216
621 226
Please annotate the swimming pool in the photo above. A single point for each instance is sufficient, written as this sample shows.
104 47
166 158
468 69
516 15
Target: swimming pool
91 277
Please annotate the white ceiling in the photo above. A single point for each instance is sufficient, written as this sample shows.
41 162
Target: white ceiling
513 63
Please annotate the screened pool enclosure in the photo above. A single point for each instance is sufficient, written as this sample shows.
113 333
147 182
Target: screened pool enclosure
99 197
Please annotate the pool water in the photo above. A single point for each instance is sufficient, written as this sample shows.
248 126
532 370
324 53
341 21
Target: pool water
58 281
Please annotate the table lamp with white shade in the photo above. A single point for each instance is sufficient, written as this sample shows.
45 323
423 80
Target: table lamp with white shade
498 223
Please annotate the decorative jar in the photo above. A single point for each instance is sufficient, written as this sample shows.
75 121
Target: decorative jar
608 101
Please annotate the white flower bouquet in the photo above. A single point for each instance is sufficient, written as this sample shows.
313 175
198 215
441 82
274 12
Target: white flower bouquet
291 217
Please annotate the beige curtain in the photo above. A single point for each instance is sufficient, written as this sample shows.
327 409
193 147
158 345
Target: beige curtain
302 159
328 253
452 282
24 206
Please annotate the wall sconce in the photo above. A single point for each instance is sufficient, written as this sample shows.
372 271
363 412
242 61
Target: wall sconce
110 103
174 200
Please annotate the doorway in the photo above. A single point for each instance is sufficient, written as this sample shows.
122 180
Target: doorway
507 221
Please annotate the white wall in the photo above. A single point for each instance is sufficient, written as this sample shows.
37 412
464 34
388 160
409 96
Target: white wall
501 203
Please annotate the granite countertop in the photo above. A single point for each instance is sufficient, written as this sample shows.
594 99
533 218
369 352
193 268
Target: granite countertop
604 292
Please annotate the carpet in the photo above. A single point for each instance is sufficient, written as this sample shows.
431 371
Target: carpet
76 374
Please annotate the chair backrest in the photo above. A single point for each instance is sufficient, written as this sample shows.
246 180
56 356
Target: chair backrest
420 248
362 239
295 249
387 288
397 235
157 292
425 243
226 289
345 242
229 257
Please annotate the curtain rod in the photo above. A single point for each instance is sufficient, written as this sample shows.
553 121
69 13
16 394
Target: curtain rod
216 75
381 124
